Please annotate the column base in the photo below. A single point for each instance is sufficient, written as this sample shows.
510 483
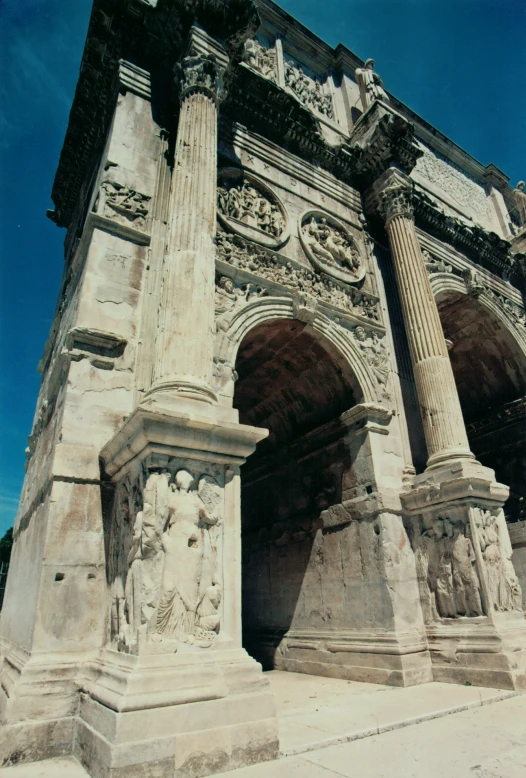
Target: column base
382 657
170 392
175 716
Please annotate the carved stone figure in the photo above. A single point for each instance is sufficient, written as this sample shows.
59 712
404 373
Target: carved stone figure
375 352
267 265
241 200
504 589
117 201
370 84
472 281
228 297
189 567
519 195
434 265
465 579
259 58
332 247
308 90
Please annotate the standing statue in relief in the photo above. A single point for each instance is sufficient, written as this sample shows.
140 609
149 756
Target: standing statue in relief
519 195
370 84
190 590
503 585
465 579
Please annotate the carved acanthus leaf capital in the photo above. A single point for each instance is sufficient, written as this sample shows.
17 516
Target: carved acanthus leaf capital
396 201
200 73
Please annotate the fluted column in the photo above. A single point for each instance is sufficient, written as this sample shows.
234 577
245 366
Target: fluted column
444 427
183 357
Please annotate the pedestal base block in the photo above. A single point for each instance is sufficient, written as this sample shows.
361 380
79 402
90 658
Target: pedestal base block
219 716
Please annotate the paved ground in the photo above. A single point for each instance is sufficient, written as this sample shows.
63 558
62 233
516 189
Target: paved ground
315 711
485 740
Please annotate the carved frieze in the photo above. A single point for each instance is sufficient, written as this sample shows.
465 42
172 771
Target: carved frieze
124 205
247 206
331 247
260 59
266 265
309 90
163 560
445 175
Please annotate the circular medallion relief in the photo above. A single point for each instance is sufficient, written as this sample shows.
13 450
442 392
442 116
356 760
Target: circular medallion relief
247 206
331 247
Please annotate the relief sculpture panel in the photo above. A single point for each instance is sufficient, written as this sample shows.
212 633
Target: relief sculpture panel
308 89
164 561
260 58
123 205
246 206
331 247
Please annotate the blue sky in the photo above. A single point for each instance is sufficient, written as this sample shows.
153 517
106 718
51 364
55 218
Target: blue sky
458 63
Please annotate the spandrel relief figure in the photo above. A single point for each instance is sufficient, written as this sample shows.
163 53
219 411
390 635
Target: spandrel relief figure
190 590
229 298
260 58
519 195
370 84
375 352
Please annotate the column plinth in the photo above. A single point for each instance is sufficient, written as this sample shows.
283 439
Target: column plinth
183 359
442 418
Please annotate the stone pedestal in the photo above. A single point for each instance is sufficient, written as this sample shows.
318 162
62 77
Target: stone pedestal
173 692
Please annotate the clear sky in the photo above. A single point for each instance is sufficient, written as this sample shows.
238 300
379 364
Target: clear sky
458 63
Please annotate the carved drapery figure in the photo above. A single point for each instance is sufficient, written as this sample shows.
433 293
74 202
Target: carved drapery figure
519 195
230 297
260 58
434 265
189 578
376 354
309 91
503 585
446 570
370 84
241 200
165 578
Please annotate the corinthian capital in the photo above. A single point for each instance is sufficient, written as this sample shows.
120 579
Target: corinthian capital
201 73
396 201
390 195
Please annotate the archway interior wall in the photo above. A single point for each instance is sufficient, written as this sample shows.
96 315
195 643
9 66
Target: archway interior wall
317 568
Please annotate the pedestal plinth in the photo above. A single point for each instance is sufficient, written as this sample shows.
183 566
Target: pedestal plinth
470 594
173 693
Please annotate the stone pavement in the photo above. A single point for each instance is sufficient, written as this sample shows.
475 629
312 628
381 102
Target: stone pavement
420 734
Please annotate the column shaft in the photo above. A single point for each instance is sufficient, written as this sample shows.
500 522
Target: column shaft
444 427
184 348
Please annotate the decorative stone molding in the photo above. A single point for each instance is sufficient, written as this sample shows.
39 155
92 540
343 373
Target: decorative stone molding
309 91
247 206
331 246
271 267
380 140
260 59
134 79
200 73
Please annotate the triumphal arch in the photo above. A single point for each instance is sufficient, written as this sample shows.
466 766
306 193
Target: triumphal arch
281 421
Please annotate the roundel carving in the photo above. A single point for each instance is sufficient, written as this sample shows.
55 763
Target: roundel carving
247 206
331 247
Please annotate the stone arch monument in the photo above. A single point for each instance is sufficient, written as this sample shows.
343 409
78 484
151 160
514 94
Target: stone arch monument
252 446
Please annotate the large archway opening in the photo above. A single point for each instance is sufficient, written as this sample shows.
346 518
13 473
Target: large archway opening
490 372
289 383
